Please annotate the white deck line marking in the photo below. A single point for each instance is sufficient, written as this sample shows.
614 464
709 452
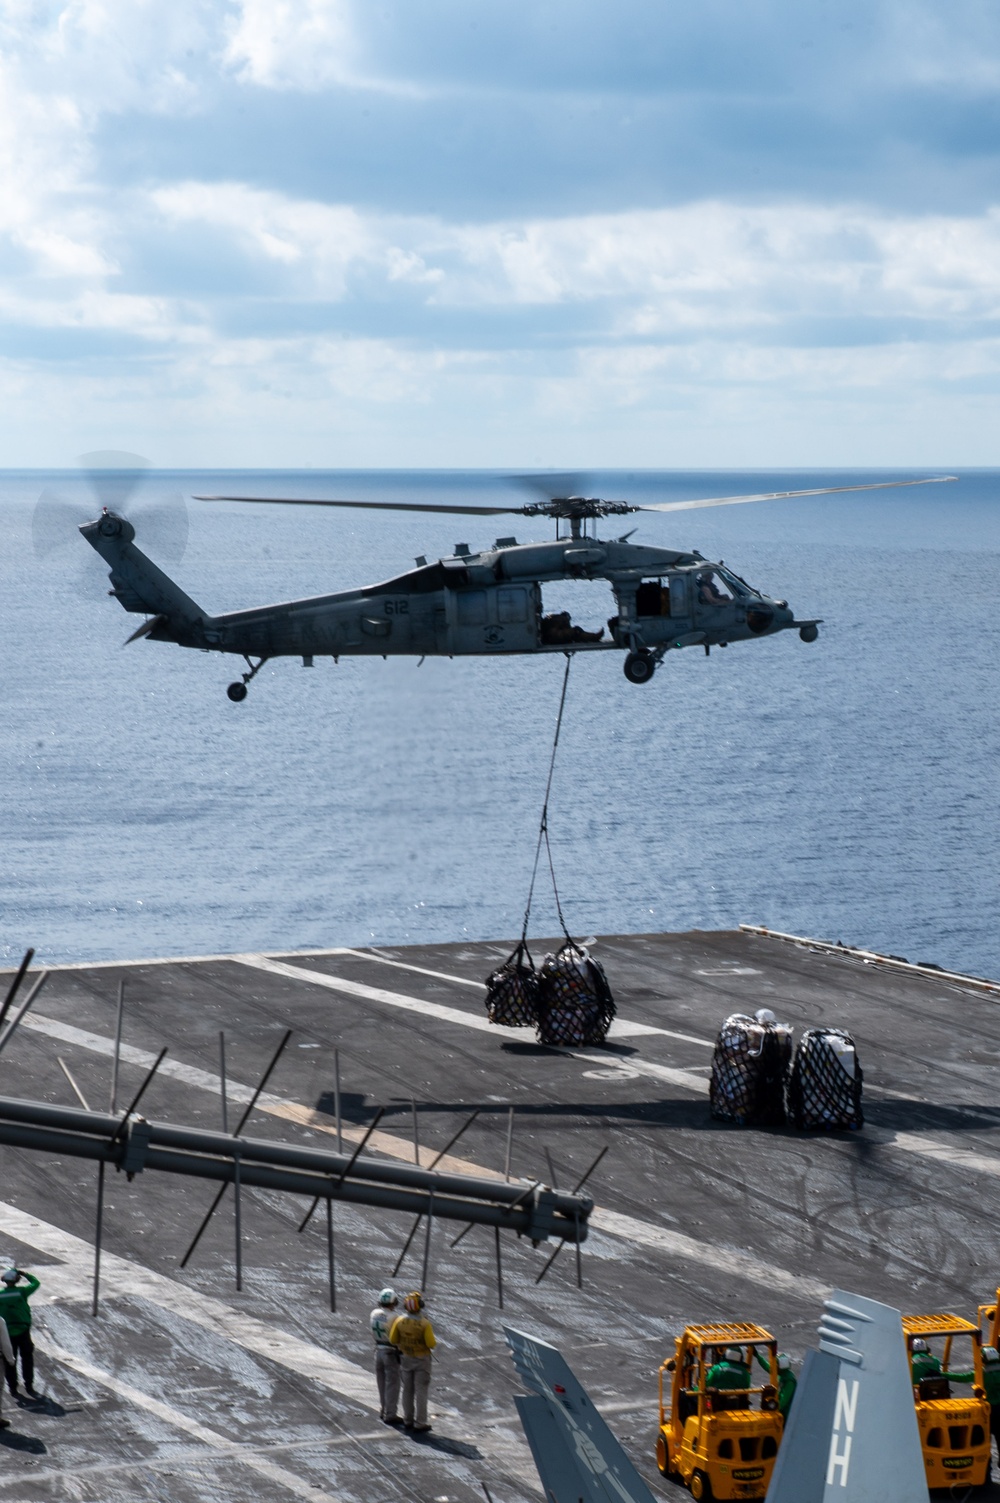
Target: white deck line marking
905 1142
621 1028
677 1245
643 1234
179 1421
442 1013
191 1459
245 1330
404 965
639 1232
66 1281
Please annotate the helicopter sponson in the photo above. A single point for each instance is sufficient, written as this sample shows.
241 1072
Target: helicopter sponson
486 604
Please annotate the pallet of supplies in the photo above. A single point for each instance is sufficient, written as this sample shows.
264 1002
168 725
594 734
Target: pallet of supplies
825 1081
749 1066
575 1005
512 991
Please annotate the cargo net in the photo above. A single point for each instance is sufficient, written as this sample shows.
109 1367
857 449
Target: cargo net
825 1081
512 991
748 1072
575 1005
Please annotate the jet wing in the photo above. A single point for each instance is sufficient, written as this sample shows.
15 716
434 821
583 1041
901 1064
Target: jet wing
578 1459
852 1434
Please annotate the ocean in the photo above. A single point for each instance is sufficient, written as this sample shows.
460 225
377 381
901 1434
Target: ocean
845 790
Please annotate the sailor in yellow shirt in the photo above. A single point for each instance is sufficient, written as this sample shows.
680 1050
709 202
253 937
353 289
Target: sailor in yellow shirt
414 1336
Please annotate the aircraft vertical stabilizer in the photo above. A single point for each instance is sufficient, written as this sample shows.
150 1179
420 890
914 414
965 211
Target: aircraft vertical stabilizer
578 1459
852 1432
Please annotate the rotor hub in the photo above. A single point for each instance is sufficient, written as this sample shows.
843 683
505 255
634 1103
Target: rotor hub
577 508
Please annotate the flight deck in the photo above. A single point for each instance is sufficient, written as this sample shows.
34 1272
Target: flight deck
184 1388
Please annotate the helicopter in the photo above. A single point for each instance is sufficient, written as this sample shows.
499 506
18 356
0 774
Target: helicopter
486 603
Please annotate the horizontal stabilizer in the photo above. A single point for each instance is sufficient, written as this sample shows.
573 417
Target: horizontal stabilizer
852 1434
578 1458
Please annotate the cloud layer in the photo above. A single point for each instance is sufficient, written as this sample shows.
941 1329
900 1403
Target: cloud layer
309 231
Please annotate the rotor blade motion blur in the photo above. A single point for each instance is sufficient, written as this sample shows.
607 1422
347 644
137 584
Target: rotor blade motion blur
113 478
823 490
54 522
465 511
113 475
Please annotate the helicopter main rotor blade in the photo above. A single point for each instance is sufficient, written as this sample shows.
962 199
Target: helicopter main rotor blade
466 511
823 490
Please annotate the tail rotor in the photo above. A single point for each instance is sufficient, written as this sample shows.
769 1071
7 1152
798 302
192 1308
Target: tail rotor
117 481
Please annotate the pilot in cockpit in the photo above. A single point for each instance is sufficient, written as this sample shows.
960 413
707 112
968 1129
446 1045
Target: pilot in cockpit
709 592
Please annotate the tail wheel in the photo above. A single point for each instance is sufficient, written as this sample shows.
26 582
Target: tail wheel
701 1488
662 1460
640 667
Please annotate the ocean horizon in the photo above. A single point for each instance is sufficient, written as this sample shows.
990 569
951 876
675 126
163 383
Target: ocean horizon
845 789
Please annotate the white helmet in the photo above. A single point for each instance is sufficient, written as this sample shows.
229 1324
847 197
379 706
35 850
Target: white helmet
784 1362
765 1016
10 1275
990 1355
388 1298
733 1354
918 1344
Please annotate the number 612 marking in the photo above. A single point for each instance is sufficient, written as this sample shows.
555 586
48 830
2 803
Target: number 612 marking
397 607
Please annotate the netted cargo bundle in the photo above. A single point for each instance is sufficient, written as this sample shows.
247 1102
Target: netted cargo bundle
575 1005
748 1070
825 1081
512 991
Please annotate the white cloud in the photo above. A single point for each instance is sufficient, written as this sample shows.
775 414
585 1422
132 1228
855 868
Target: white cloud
703 265
305 45
236 302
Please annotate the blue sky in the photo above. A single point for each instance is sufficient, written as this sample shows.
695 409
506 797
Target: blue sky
438 232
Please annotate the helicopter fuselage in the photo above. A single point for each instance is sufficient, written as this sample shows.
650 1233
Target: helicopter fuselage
484 604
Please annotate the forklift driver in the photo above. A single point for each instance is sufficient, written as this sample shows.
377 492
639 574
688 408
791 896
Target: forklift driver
731 1372
925 1370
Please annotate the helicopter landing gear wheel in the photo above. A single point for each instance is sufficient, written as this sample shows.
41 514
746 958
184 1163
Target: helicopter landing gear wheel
238 690
640 667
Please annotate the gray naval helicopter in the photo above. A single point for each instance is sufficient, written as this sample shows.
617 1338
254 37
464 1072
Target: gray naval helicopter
486 603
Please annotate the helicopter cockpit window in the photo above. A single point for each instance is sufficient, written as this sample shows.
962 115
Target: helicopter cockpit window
734 583
712 588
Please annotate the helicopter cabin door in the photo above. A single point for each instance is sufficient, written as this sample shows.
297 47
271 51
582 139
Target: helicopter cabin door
496 618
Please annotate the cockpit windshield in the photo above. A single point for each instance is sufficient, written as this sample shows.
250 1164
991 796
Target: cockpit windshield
713 588
736 585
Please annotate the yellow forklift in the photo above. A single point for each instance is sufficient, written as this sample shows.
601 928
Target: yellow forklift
954 1431
719 1442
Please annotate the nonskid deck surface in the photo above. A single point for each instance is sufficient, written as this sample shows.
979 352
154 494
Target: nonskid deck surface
184 1389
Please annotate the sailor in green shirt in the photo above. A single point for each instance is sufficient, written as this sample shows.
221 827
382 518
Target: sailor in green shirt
991 1383
787 1381
16 1313
923 1363
731 1372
